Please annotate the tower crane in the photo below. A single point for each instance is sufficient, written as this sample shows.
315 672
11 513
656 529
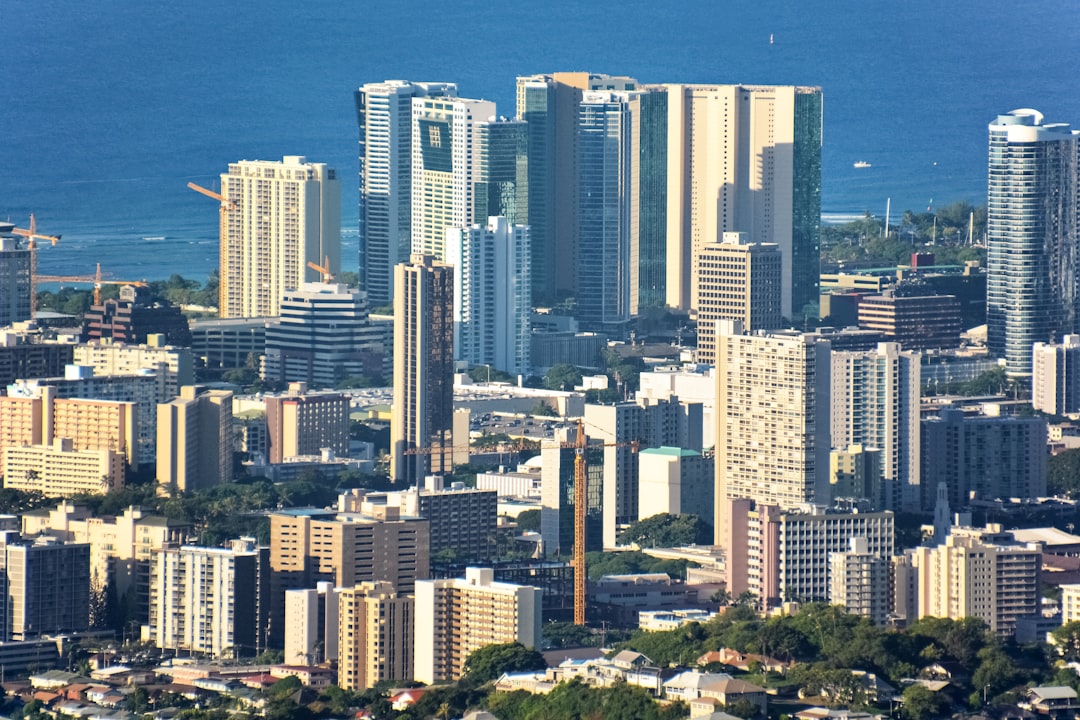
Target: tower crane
226 207
581 498
327 276
32 236
95 278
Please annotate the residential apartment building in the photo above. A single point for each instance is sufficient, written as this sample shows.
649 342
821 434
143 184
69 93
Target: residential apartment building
772 418
303 422
423 404
675 481
493 294
80 381
1032 234
195 439
982 573
173 367
210 601
462 520
550 105
456 617
384 115
322 336
737 280
59 469
46 587
357 543
278 217
375 636
1070 603
1055 376
859 581
88 424
444 168
311 624
744 158
121 547
982 457
26 354
875 404
783 555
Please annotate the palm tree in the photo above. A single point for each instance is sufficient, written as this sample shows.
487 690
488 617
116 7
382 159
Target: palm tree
443 712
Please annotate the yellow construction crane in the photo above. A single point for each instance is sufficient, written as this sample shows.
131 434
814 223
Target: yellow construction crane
327 276
227 206
32 236
95 278
581 503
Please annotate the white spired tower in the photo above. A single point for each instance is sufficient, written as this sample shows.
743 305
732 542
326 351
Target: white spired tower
278 217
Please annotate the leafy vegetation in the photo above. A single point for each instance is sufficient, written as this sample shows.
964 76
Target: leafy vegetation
1063 473
666 530
860 243
827 644
623 563
991 382
489 663
573 700
562 377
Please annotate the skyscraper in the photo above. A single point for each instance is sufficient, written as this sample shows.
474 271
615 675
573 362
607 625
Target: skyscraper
1033 231
875 404
493 300
549 103
14 278
744 158
423 407
772 418
445 167
501 179
384 115
607 195
279 216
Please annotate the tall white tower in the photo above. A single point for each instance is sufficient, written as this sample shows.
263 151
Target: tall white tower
279 216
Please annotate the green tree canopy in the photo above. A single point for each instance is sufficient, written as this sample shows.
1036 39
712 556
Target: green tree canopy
489 663
562 377
665 530
920 703
1063 472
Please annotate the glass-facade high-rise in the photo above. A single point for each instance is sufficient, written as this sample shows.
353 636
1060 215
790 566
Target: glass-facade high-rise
384 117
652 202
606 209
501 185
1033 227
806 200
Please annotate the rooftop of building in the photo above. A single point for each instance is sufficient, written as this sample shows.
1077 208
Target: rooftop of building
671 452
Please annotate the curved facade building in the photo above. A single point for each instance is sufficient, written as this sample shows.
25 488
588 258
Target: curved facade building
1033 229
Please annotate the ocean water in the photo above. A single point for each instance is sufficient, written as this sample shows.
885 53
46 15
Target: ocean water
111 107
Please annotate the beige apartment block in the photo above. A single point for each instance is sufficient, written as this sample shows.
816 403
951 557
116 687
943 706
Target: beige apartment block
979 572
456 617
739 280
772 418
121 546
375 636
279 216
344 547
173 367
59 470
89 424
195 440
303 423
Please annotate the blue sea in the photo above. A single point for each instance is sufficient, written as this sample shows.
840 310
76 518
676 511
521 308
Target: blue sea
110 107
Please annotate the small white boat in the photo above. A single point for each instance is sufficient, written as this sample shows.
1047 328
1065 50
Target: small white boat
862 164
154 238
